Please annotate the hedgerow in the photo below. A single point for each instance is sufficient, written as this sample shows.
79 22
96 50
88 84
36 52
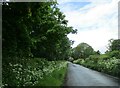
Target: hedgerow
103 63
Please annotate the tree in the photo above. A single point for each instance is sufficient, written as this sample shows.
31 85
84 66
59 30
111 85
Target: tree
114 48
98 52
83 50
35 29
114 45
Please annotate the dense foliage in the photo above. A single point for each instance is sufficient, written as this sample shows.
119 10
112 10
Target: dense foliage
37 72
83 50
36 30
30 31
114 45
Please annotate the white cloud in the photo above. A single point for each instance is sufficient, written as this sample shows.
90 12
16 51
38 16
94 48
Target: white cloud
96 23
98 39
93 14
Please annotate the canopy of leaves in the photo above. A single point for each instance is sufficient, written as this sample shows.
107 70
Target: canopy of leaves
83 50
35 30
114 45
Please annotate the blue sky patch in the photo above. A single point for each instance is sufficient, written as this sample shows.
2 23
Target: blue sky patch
72 5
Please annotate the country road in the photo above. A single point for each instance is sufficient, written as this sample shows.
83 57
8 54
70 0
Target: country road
80 76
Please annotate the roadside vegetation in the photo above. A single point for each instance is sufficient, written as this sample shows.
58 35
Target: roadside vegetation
34 44
107 63
35 72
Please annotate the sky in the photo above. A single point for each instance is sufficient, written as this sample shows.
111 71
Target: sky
95 20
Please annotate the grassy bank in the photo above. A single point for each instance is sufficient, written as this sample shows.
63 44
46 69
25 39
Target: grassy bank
102 63
56 78
34 72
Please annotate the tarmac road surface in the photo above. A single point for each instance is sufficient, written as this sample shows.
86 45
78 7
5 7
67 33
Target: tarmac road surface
78 75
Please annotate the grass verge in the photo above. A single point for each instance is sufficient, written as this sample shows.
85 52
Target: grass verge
35 72
56 78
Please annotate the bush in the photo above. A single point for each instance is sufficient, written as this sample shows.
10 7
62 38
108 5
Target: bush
104 57
77 61
94 58
114 53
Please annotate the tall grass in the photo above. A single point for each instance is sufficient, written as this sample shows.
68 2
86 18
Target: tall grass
34 72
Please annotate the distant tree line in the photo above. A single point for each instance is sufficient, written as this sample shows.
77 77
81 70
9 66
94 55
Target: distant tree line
83 50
